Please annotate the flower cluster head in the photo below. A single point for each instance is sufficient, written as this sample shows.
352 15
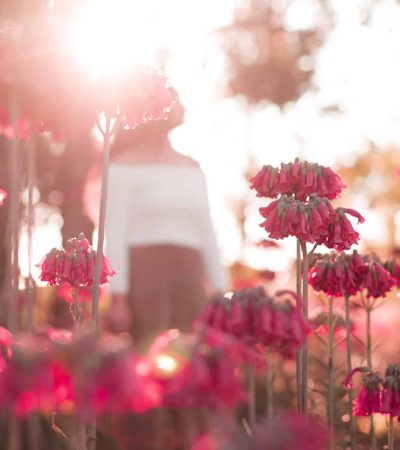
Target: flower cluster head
377 394
314 221
300 179
199 369
377 280
73 265
255 318
303 206
338 274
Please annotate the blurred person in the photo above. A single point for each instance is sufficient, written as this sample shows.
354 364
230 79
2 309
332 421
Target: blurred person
161 242
159 234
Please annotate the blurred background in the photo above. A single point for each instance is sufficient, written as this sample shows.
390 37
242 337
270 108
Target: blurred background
263 82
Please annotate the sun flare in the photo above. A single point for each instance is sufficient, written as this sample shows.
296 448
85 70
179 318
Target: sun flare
108 36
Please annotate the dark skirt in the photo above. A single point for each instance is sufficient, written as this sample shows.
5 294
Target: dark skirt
166 289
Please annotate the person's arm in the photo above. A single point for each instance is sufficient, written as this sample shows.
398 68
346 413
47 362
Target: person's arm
216 274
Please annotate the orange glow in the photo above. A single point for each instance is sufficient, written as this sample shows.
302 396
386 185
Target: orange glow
166 363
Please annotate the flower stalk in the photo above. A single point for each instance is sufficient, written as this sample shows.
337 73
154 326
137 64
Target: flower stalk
349 369
330 373
304 363
298 354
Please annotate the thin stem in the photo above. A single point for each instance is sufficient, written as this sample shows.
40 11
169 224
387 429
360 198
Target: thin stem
75 308
391 434
298 354
270 392
102 216
30 287
349 369
14 430
331 386
368 310
13 226
304 381
252 402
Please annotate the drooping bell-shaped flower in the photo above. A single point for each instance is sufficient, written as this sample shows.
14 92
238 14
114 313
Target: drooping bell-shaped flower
391 391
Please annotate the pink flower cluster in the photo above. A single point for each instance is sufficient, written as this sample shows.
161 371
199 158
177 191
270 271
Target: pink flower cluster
299 178
303 208
85 376
199 369
341 274
255 318
377 395
73 265
53 371
314 221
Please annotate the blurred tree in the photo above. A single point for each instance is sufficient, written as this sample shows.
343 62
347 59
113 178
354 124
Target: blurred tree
375 176
270 58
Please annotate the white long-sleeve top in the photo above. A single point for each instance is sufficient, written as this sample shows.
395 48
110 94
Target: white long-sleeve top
158 204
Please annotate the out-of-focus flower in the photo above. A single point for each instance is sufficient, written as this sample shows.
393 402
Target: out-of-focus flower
66 292
254 318
286 432
377 280
6 339
107 378
3 196
394 269
196 370
299 178
391 391
32 380
74 265
368 400
320 324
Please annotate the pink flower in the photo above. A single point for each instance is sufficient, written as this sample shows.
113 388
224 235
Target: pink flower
194 373
254 318
338 274
341 234
6 339
66 292
368 400
74 265
377 280
394 269
300 178
31 380
391 391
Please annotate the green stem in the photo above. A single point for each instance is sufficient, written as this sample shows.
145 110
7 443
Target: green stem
30 288
298 354
349 369
304 376
14 219
391 434
252 402
368 310
102 216
331 386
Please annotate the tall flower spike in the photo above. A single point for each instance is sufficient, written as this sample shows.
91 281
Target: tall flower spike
377 280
